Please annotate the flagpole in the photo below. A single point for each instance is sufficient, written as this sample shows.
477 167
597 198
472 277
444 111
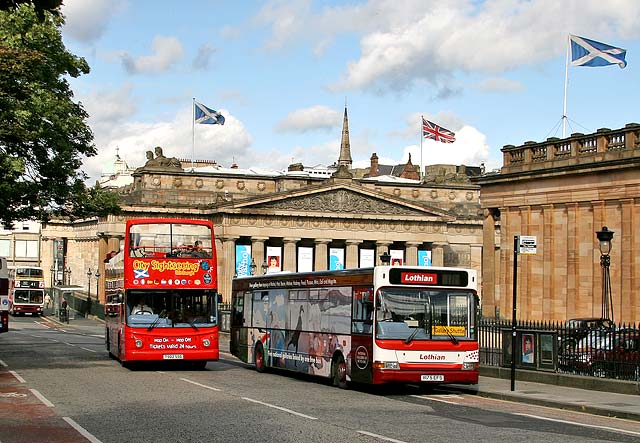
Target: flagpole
566 82
421 137
193 132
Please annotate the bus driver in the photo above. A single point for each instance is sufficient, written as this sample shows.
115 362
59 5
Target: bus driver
141 308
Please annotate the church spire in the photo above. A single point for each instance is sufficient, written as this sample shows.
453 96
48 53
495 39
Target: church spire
345 147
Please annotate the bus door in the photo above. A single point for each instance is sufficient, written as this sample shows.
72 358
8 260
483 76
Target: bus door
362 335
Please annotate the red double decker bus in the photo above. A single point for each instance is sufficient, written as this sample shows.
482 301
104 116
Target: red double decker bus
161 293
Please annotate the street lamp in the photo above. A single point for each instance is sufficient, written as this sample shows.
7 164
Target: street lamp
264 267
89 282
385 258
604 237
97 274
52 269
253 266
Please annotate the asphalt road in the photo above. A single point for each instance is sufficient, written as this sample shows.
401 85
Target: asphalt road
86 396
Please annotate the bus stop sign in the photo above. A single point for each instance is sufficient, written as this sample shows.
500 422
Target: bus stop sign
527 245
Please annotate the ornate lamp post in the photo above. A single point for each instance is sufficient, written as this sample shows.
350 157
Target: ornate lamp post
97 275
264 267
253 266
385 258
604 237
88 282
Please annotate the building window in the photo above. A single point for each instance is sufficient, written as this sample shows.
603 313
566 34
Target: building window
5 250
26 248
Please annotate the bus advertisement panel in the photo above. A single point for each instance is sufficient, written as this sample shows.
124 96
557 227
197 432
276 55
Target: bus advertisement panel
26 291
387 324
161 293
4 295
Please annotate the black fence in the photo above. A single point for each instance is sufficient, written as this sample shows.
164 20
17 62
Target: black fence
590 347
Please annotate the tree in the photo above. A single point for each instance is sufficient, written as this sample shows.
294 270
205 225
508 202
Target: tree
43 134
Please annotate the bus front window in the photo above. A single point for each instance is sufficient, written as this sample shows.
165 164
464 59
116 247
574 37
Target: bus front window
413 314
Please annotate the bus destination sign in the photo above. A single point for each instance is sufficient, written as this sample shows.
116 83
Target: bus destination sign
422 276
418 278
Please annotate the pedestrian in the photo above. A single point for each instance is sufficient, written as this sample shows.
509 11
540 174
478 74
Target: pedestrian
47 301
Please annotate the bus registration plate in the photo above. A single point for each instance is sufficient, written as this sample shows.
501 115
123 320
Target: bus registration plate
173 356
430 377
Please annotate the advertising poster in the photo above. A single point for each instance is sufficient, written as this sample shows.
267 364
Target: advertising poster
243 260
528 349
305 259
367 258
336 259
397 257
424 258
274 259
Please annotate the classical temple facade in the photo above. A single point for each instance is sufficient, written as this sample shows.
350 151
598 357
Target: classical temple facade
356 214
562 191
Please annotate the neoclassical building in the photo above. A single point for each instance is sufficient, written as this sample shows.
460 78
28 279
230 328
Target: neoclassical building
562 191
309 217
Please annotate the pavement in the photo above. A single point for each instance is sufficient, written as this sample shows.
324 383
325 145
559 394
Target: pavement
625 403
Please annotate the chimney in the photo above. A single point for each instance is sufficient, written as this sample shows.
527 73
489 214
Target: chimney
373 172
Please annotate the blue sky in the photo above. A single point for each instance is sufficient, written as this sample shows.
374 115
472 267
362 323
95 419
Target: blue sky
281 71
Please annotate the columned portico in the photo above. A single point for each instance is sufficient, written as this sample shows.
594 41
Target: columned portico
290 254
321 254
382 247
352 253
411 253
437 254
257 252
226 269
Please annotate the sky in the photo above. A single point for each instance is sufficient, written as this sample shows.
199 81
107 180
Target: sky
282 71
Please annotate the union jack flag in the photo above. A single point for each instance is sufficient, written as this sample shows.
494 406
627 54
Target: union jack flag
437 133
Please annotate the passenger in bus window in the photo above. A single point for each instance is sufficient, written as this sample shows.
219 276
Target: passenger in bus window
198 251
141 308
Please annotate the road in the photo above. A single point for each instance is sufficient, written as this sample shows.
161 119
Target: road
60 386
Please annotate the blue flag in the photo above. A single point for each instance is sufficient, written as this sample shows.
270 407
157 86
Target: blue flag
207 116
585 52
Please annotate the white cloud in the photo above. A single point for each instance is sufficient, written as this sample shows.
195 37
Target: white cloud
166 52
498 84
87 21
315 117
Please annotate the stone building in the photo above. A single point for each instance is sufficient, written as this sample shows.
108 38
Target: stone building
562 191
356 214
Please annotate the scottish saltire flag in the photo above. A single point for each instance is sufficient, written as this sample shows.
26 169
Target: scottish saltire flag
140 273
437 133
585 52
207 116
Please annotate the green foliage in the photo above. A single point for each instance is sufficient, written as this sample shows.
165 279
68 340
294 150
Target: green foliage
43 134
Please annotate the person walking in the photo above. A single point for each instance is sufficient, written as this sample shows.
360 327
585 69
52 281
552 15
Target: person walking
47 301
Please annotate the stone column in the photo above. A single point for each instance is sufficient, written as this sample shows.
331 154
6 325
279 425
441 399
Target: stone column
290 254
382 246
411 253
226 267
257 252
103 245
321 254
352 254
437 253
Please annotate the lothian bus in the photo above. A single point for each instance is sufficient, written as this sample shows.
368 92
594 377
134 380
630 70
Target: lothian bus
387 324
4 295
26 290
161 293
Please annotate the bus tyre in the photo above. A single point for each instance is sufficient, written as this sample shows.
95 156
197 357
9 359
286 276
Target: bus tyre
258 358
339 372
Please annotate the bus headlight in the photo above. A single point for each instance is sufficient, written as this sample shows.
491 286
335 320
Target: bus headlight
469 365
386 365
138 343
206 342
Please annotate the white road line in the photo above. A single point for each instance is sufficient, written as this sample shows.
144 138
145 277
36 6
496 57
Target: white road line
42 398
87 349
15 374
3 364
200 384
426 397
575 423
381 437
279 408
86 434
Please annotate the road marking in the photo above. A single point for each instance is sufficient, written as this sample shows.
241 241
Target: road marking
3 364
279 408
12 395
381 437
15 374
427 397
41 398
200 384
81 430
87 349
575 423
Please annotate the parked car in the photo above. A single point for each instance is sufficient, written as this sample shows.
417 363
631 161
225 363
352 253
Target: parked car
577 329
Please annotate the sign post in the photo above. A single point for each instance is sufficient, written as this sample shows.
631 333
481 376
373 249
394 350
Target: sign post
525 245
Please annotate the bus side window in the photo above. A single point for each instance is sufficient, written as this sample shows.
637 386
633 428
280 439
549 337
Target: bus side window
362 311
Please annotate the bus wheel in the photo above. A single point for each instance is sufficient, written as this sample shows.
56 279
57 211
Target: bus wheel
339 372
258 358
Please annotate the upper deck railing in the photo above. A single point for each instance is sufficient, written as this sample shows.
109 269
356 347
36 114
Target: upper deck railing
578 149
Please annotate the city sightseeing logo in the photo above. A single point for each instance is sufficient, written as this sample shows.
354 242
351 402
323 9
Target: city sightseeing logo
141 268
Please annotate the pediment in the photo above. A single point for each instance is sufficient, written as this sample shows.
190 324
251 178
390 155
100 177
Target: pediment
342 201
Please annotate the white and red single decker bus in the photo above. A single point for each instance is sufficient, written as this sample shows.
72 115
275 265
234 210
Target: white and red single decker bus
26 290
387 324
161 293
